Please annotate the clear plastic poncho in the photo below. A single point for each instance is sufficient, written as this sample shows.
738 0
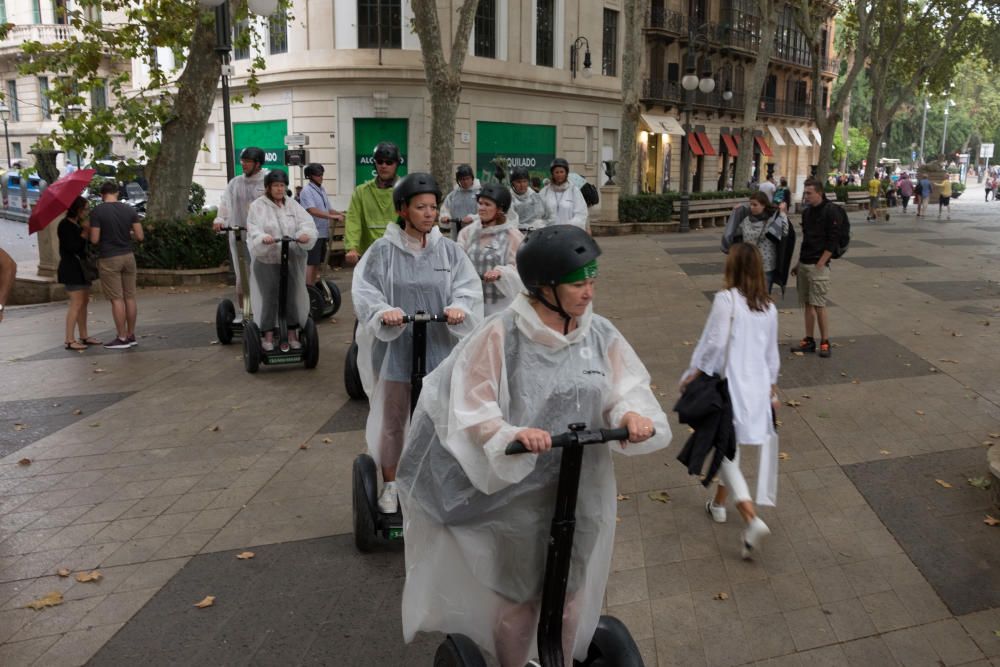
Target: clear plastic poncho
476 522
494 247
234 207
395 273
267 218
531 210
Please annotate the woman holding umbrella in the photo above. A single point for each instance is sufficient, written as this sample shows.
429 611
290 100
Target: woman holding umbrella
74 230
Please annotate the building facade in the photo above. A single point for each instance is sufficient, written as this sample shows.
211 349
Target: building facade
346 76
727 32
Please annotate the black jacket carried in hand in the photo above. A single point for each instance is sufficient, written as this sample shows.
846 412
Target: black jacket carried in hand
705 406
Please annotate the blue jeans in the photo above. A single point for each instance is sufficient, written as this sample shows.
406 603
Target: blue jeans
770 276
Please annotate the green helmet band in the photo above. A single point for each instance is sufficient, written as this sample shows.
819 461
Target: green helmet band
585 272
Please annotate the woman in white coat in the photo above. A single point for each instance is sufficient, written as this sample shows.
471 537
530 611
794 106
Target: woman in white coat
476 522
491 241
271 217
411 268
564 200
740 343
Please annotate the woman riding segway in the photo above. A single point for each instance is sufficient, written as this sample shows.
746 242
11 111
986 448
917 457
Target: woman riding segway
491 241
477 521
412 268
532 213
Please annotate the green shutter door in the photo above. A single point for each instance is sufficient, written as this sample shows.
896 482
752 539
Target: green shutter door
368 132
530 146
268 135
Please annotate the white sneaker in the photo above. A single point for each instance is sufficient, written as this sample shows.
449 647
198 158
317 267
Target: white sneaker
267 346
388 502
756 531
718 513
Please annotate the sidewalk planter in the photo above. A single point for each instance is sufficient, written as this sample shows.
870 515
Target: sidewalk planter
182 244
182 277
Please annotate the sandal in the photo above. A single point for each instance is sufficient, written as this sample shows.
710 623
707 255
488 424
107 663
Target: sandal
90 340
76 346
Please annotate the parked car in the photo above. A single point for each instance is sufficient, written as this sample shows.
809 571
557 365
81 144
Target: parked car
20 194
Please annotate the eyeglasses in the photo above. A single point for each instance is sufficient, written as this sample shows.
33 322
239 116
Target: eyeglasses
385 162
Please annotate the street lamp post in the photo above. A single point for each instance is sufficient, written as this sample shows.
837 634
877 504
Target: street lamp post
580 42
72 111
923 129
5 116
944 136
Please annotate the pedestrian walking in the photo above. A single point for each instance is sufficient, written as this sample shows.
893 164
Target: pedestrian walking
768 188
740 343
113 228
905 190
821 228
234 208
315 201
944 196
763 227
988 185
563 199
74 237
924 187
478 523
874 191
460 205
371 209
783 196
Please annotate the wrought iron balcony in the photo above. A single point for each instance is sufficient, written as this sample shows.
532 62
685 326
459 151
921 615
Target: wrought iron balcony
670 93
663 20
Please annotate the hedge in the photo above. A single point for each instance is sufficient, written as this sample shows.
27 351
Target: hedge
182 244
842 190
659 207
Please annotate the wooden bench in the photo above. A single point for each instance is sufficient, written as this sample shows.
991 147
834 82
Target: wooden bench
705 213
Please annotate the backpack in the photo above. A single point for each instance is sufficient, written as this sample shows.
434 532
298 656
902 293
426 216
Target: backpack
590 194
844 225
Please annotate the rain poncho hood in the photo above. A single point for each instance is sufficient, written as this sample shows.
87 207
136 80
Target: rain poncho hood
494 247
531 210
395 274
267 218
476 522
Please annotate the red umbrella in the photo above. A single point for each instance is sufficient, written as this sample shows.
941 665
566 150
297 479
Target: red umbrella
57 197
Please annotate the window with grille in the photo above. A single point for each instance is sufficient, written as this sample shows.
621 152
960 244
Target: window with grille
12 100
609 47
241 40
486 29
99 97
545 30
380 24
43 97
277 33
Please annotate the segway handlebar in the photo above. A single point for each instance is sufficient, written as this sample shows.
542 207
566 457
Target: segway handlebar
576 436
423 317
232 229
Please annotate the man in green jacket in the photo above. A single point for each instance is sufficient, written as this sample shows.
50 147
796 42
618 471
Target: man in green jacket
371 208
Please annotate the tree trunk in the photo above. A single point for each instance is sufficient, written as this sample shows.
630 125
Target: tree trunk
627 167
754 87
171 169
846 133
444 78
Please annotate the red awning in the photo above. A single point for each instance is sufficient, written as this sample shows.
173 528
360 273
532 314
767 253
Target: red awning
731 148
764 148
695 146
706 145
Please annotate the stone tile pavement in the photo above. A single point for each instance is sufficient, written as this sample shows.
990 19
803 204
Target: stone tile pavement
178 460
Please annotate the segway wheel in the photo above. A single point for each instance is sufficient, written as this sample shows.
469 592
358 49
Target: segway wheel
352 377
316 302
251 347
335 295
613 646
363 507
311 344
458 651
224 316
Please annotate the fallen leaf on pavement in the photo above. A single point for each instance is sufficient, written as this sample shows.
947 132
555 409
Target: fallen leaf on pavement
778 423
943 483
660 497
94 425
214 428
948 361
843 374
84 577
991 521
48 600
207 602
327 441
806 396
792 403
884 452
24 462
98 370
987 443
784 456
78 411
919 412
623 497
246 555
799 354
304 445
982 483
721 596
687 342
932 369
916 333
994 435
63 572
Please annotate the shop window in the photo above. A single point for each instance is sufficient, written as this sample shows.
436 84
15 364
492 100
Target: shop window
380 24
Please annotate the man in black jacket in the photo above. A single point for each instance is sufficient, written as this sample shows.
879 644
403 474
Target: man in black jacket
820 238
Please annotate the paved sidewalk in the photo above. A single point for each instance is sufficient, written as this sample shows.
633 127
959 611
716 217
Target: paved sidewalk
158 465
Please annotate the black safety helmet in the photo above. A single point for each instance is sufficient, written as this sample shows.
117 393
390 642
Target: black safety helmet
386 150
252 153
497 194
275 176
559 162
414 184
464 170
519 174
548 255
314 169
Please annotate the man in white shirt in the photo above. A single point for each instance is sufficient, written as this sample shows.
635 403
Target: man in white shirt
768 187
